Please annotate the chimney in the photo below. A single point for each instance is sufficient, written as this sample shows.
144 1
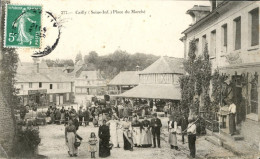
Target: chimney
137 68
197 12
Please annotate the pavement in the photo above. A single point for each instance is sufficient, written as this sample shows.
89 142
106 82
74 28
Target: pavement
53 146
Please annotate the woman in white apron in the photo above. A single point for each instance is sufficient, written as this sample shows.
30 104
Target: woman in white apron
172 128
113 127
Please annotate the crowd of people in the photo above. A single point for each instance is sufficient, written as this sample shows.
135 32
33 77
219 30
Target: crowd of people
133 120
136 132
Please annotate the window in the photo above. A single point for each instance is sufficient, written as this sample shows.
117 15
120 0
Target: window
224 38
67 96
212 52
50 86
204 41
30 84
224 29
254 28
197 46
237 30
78 90
21 87
51 98
40 85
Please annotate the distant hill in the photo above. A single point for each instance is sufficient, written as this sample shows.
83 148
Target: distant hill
109 65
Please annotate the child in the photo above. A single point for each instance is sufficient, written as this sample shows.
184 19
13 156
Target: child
92 144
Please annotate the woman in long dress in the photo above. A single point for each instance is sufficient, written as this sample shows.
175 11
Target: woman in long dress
127 135
113 126
146 140
172 128
125 111
136 126
70 136
104 138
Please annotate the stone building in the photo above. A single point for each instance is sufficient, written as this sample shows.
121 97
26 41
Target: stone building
231 29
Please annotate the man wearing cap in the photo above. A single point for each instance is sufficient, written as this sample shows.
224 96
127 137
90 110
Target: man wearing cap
191 131
156 125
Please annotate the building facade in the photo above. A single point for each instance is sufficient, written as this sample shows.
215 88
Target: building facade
159 81
231 30
90 83
87 83
41 85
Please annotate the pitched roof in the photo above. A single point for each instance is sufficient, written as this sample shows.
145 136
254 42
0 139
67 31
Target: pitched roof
207 17
154 91
94 75
165 64
27 72
199 8
125 78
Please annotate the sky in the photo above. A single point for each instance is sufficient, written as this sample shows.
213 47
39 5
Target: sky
156 31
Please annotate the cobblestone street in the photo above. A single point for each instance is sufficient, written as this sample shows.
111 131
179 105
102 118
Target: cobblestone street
53 146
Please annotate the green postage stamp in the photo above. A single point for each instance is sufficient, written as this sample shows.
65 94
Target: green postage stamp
23 26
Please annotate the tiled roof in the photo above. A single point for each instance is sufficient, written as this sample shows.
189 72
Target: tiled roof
165 65
125 78
154 91
27 72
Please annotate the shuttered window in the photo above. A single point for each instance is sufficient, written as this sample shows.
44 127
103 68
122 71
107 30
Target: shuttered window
254 27
237 39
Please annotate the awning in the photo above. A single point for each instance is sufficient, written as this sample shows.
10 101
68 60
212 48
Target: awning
154 91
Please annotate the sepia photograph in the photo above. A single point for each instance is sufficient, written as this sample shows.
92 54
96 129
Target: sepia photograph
127 79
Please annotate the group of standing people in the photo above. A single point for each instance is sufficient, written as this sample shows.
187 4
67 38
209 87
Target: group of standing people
136 133
188 127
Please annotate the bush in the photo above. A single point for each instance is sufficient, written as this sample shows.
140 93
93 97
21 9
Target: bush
27 142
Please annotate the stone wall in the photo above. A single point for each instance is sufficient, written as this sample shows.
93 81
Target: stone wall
7 130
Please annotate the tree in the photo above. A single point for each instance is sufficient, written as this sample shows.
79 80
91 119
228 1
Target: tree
8 100
78 57
8 97
197 82
92 58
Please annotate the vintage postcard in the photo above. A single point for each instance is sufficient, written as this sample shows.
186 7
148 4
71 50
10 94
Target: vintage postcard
129 79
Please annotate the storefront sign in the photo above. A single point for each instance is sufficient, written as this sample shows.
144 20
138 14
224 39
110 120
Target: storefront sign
41 91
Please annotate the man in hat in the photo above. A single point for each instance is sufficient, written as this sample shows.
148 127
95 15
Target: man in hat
232 114
156 125
191 131
75 121
80 113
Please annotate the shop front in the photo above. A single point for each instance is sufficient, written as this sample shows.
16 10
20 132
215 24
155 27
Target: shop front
33 97
241 86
